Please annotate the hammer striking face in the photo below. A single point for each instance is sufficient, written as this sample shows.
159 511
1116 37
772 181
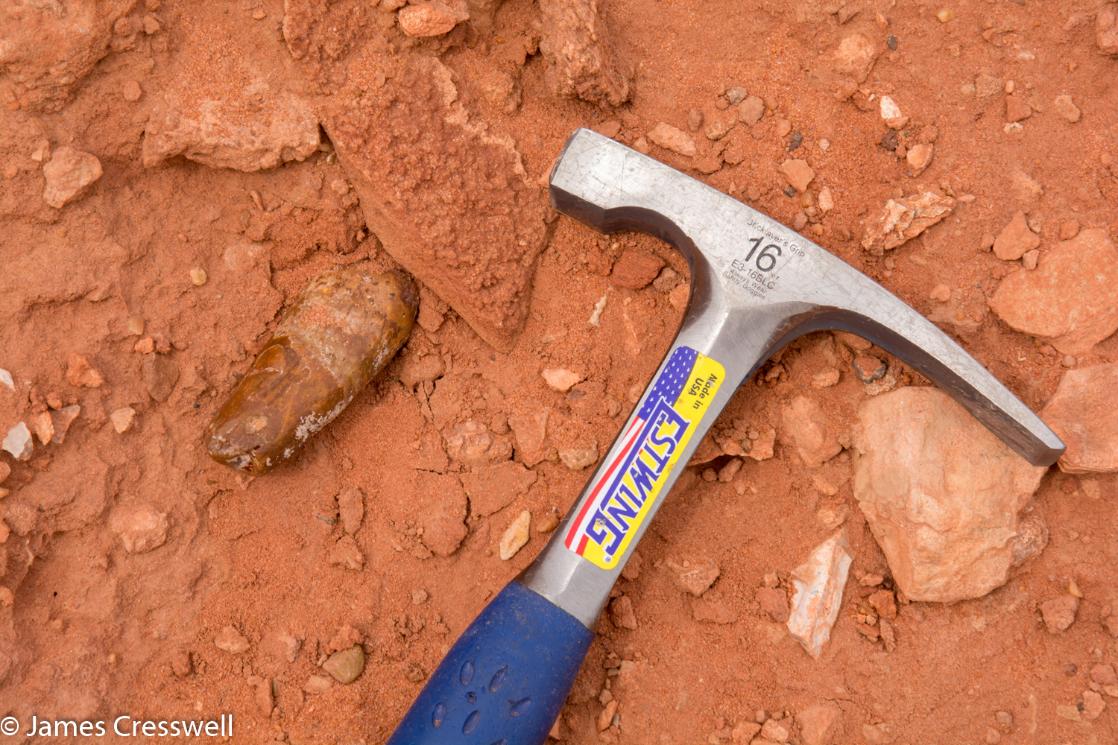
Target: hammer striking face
755 286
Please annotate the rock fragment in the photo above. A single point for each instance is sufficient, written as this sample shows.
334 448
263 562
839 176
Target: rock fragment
81 374
1015 239
160 373
122 419
582 62
62 419
347 665
751 110
1059 613
346 553
798 173
18 442
472 444
396 142
694 577
431 18
69 175
820 724
351 508
529 431
49 49
855 57
621 613
635 269
515 536
1106 29
775 730
578 458
809 431
903 219
1082 413
1070 299
141 528
317 684
891 113
919 157
945 499
265 129
1065 107
493 487
818 585
560 379
230 640
672 138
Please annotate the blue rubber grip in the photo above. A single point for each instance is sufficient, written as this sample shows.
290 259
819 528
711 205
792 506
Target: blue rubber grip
504 680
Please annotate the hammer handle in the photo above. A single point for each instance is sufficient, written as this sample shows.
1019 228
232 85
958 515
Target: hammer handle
504 680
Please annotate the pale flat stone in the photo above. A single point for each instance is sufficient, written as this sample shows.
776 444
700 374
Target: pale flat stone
945 499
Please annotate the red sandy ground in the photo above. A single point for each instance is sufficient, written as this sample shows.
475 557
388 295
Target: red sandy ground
94 630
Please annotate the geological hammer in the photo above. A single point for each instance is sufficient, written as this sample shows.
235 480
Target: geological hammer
755 286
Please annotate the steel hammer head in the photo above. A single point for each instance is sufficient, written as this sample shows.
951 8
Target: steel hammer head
756 285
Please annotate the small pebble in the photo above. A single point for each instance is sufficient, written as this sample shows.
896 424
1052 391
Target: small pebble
346 666
515 536
1066 108
941 293
230 640
560 379
198 276
122 419
868 368
132 91
735 95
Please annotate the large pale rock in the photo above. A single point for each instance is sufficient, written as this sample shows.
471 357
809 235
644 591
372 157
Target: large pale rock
581 60
1070 299
945 499
446 193
1083 414
262 129
901 220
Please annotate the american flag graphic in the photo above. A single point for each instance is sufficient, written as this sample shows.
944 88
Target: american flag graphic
668 386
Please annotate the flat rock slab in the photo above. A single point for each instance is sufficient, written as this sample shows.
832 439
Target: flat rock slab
449 199
1083 414
946 499
1070 299
262 129
901 220
581 60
